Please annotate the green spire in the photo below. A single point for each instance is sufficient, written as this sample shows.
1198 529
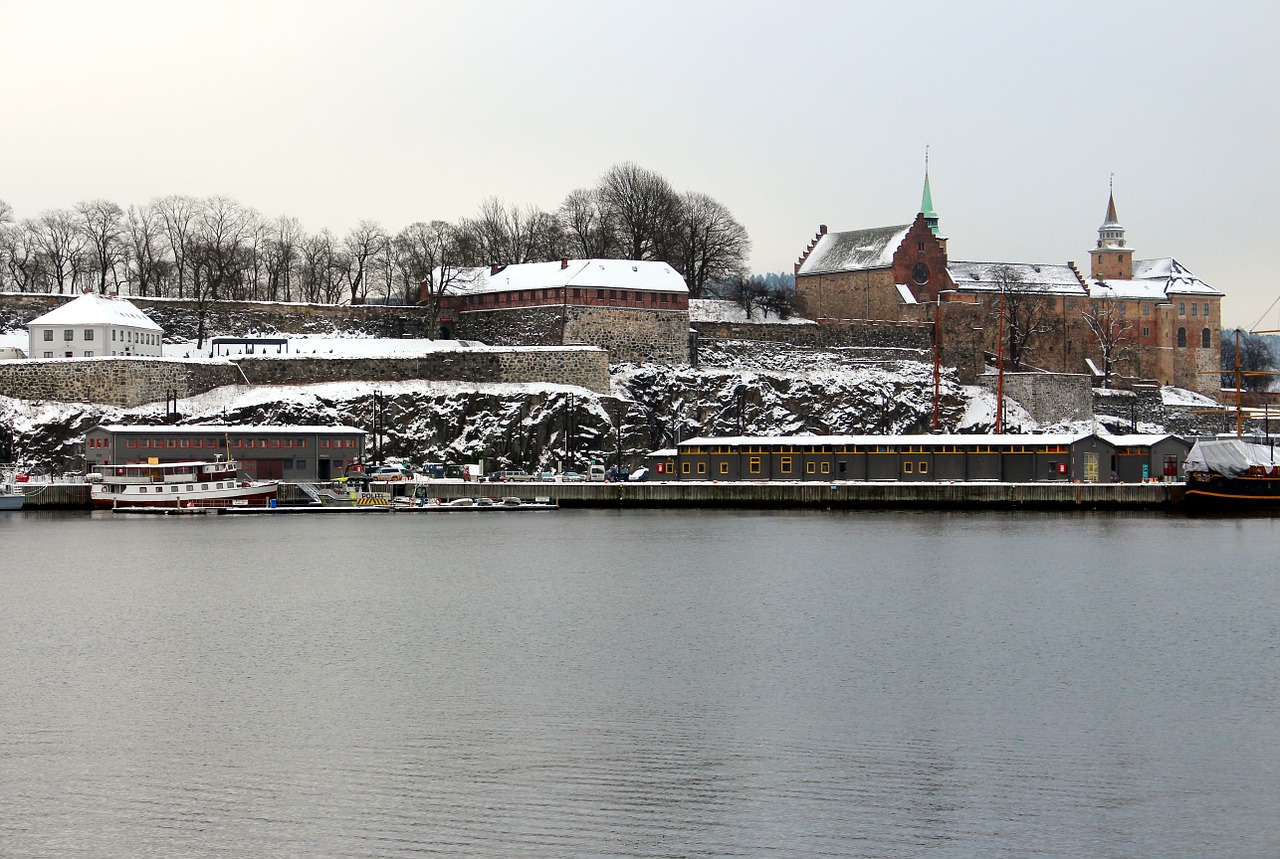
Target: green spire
926 206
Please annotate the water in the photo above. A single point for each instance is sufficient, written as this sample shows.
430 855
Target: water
648 684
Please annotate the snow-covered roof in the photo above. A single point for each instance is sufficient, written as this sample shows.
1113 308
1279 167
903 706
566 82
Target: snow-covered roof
854 250
170 429
1137 439
644 275
957 440
94 309
1175 276
1023 277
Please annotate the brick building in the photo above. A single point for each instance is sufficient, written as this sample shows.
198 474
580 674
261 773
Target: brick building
636 309
1128 320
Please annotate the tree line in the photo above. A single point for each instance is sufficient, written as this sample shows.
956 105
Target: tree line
216 248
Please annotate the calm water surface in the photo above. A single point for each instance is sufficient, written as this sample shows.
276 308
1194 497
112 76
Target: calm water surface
647 684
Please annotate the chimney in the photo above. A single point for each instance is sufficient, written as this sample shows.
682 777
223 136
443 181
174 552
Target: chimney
564 262
493 269
822 229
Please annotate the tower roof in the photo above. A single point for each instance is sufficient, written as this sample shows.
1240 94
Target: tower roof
926 201
1111 220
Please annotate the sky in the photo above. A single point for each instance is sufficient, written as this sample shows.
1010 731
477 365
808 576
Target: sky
790 114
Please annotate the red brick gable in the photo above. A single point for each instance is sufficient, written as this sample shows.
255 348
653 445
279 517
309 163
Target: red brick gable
921 247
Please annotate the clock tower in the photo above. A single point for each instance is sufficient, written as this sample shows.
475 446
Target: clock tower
1112 259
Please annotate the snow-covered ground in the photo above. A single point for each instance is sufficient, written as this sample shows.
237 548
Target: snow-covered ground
715 310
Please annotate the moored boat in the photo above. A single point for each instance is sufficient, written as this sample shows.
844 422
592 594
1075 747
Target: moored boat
1232 474
10 498
190 484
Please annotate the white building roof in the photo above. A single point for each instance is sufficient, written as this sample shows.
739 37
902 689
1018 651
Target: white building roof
1029 277
958 440
94 309
854 250
644 275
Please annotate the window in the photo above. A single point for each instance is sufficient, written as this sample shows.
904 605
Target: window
684 468
68 334
923 468
48 354
88 334
113 335
133 442
1182 308
1206 309
810 467
599 293
753 465
724 468
1146 310
907 467
702 468
1146 332
784 465
48 335
1194 308
826 468
89 354
1204 338
1182 337
142 489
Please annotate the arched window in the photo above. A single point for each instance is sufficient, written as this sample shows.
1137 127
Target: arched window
1182 338
1204 339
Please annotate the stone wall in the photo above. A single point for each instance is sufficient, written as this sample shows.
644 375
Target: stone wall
1049 398
638 336
584 367
128 382
124 382
525 326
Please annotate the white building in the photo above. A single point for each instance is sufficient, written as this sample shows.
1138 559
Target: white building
94 326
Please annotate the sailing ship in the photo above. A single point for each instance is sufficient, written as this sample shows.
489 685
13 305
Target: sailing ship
1232 474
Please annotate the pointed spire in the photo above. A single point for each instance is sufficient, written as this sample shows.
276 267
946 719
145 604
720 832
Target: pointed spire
1111 233
926 199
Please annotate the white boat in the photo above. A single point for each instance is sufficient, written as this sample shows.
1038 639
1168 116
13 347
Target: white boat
191 484
10 498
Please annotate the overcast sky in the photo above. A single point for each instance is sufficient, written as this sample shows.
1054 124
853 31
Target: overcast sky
792 114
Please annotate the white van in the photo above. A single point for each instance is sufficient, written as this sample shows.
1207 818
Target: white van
596 472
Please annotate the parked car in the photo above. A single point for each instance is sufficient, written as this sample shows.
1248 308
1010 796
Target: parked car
595 472
509 474
571 477
546 476
388 473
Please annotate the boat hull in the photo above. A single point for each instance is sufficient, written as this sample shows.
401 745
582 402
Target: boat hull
12 501
259 494
1209 491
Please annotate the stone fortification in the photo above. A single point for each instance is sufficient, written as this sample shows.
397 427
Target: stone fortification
630 334
1049 398
128 382
584 367
123 382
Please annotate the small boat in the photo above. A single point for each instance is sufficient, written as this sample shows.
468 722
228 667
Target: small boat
193 484
10 497
1232 474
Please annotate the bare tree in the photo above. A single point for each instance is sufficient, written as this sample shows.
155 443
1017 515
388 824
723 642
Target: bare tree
178 219
23 262
642 207
1026 314
280 257
1256 360
149 265
322 273
585 224
102 224
1113 333
62 245
432 258
365 241
749 292
709 245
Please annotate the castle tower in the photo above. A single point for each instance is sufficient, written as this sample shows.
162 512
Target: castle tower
926 202
1111 259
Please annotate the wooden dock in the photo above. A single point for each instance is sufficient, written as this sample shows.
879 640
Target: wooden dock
778 495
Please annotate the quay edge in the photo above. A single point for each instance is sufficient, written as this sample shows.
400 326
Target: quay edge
775 495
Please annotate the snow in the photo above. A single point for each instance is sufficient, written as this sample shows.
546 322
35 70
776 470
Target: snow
643 275
854 250
349 347
1172 396
715 310
1030 277
94 309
